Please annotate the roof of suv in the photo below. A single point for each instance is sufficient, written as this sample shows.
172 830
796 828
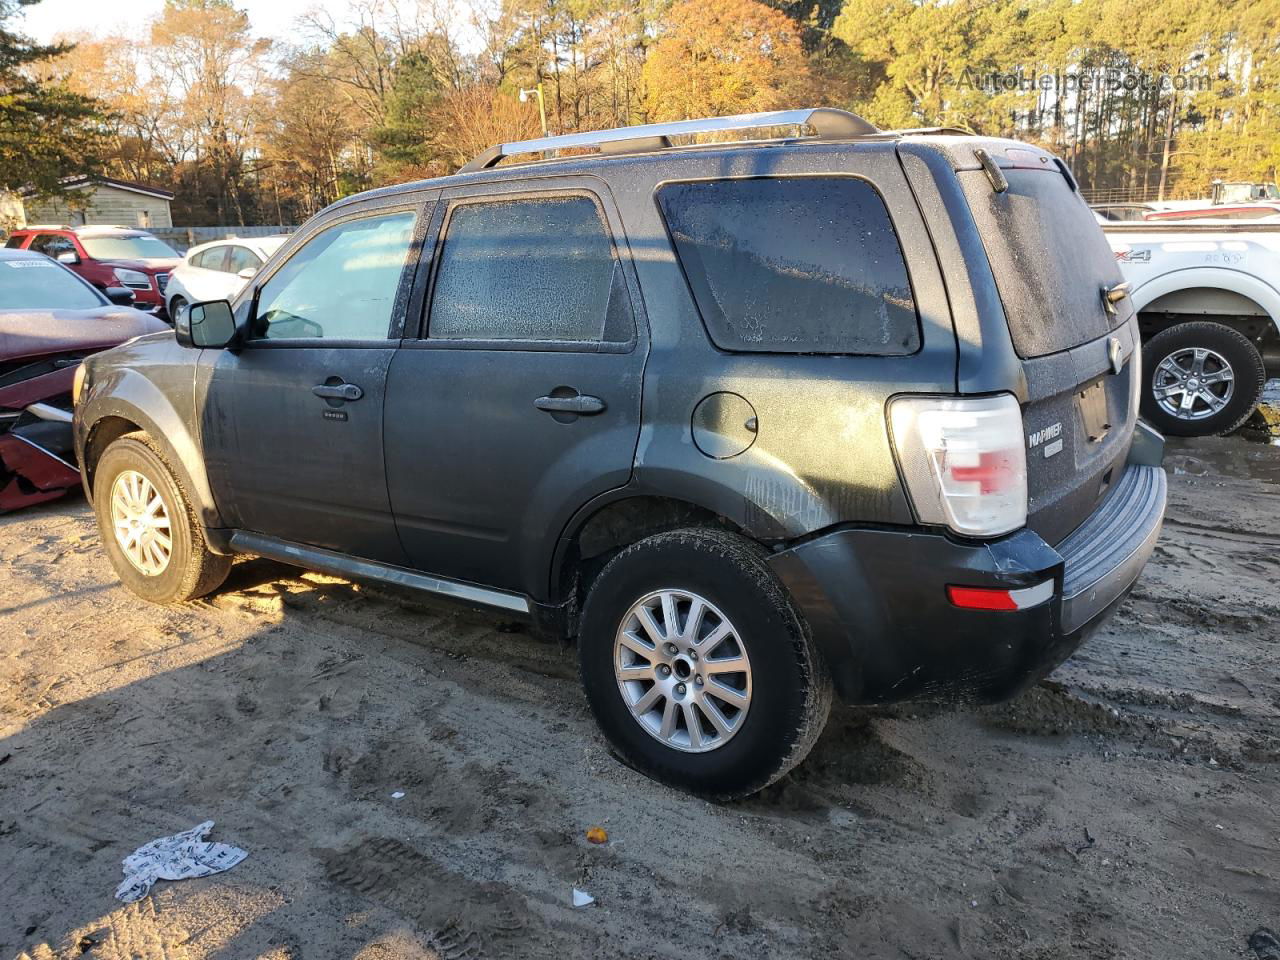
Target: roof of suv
655 142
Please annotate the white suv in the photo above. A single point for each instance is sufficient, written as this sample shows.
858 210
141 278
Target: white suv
217 270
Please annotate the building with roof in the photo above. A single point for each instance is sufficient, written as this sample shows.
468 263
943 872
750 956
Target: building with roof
90 201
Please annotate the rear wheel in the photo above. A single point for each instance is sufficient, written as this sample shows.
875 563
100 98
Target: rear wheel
148 527
1201 379
177 306
697 666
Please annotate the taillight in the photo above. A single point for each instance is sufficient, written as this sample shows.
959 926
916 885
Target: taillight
963 460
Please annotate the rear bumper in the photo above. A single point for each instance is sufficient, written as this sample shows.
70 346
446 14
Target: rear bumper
876 600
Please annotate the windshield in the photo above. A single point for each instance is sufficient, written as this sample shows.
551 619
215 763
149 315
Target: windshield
141 247
43 285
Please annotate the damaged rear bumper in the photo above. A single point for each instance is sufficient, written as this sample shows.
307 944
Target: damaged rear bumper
877 602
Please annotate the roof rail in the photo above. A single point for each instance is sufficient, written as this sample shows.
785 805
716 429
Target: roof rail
829 124
938 131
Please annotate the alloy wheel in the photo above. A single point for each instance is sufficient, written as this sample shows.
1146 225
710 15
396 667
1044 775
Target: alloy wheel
1193 383
682 670
140 520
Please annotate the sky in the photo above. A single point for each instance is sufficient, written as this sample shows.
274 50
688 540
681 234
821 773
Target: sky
270 18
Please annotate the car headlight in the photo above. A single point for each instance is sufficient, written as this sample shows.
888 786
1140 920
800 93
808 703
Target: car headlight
133 278
77 384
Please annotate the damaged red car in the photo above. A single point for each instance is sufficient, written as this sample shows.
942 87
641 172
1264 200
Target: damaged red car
50 320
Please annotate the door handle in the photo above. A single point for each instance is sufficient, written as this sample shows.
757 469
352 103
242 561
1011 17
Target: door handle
338 391
580 405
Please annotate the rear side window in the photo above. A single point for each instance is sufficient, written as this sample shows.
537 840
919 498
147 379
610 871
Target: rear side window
537 269
1048 256
212 259
794 265
13 243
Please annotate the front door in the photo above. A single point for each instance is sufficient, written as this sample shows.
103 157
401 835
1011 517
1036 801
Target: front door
520 399
292 426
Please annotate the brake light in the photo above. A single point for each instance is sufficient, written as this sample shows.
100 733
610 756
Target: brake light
963 461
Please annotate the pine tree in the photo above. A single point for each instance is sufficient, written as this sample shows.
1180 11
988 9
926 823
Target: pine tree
47 132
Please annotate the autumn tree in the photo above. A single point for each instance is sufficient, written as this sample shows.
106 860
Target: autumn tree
47 131
474 118
205 52
723 57
310 143
144 137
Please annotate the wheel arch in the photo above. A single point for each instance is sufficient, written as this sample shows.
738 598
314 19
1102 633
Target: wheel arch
1170 288
135 404
613 521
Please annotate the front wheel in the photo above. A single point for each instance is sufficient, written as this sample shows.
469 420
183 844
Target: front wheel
697 666
177 307
148 527
1201 379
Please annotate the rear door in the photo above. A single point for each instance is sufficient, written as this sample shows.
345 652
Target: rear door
519 400
1053 269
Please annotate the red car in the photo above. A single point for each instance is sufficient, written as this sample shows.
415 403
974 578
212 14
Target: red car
107 257
50 319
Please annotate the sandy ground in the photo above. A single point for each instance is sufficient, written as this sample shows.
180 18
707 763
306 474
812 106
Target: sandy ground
1128 807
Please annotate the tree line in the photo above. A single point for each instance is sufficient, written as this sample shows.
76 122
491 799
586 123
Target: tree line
1143 101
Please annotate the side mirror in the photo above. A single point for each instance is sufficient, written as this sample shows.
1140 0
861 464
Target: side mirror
68 256
120 296
207 325
247 273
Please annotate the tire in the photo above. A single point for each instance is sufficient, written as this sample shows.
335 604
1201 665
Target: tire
176 305
1177 350
789 692
191 570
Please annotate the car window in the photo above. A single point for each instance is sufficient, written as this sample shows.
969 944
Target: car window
33 283
52 244
537 269
140 246
215 258
242 258
793 265
14 242
340 284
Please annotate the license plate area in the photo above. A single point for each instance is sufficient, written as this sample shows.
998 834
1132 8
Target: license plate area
1094 415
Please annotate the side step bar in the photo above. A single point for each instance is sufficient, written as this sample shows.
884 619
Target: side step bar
326 561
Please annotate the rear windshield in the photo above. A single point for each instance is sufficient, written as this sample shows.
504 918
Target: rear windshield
1049 257
793 265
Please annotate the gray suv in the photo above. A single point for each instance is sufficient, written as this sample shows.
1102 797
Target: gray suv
824 408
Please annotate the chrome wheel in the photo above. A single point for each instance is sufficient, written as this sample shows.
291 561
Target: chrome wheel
141 523
682 670
1193 383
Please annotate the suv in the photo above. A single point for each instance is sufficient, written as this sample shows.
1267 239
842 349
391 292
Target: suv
107 257
754 421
